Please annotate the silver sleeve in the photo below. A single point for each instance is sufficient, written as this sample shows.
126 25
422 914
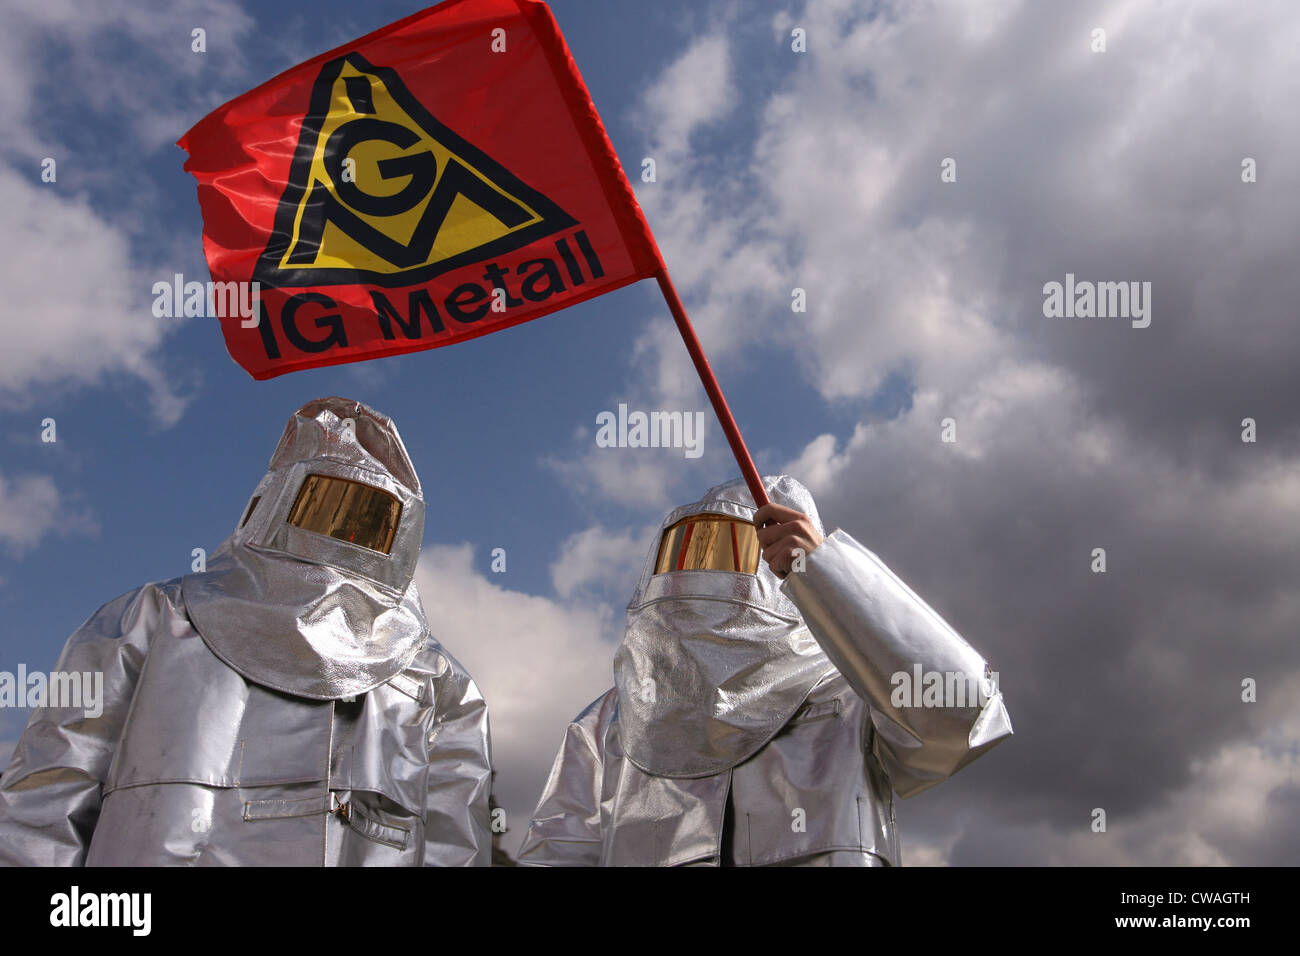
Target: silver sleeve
882 637
50 792
458 828
565 829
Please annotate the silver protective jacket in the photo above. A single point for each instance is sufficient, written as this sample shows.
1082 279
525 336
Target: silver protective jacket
818 788
251 734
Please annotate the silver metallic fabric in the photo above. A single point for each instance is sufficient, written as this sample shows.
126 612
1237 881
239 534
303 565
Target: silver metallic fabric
820 790
713 663
379 758
873 626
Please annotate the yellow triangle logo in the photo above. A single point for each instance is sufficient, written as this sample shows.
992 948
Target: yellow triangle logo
381 192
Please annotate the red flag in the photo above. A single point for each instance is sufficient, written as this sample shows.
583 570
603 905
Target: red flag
439 179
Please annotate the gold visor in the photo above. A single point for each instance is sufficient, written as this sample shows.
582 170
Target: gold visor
361 514
709 543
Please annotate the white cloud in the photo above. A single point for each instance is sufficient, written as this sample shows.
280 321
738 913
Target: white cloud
920 853
1065 161
600 560
94 320
31 507
694 91
639 478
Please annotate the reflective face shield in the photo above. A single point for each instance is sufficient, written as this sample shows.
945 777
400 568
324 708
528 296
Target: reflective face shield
348 510
709 543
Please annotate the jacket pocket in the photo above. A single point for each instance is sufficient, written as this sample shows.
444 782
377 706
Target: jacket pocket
378 818
373 827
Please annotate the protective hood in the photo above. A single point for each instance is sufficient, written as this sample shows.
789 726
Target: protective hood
713 663
304 612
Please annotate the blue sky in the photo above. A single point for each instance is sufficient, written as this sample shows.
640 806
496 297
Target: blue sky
776 170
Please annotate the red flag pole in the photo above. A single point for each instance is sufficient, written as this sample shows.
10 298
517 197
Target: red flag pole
711 386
